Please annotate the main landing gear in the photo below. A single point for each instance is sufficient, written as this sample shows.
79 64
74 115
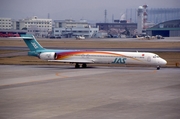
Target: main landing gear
78 66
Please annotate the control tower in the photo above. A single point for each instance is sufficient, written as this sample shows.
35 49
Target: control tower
145 15
140 23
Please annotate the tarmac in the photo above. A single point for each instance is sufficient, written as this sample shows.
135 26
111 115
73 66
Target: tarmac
98 92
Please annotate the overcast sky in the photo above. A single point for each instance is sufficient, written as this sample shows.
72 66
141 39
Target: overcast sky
76 9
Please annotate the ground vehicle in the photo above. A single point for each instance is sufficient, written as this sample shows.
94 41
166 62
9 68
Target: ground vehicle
55 37
80 37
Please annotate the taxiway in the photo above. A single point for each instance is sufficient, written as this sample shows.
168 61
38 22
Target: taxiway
62 92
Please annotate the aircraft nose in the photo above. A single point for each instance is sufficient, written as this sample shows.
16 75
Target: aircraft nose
163 62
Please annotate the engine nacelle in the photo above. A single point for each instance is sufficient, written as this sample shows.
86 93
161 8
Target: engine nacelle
48 56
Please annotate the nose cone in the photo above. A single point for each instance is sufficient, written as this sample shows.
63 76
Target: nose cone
163 62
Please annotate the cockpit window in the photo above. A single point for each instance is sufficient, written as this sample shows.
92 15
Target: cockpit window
155 56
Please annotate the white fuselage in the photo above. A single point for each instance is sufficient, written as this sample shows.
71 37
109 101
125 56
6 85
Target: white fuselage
109 57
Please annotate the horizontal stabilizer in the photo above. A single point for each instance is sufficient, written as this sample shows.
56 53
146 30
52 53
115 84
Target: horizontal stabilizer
22 37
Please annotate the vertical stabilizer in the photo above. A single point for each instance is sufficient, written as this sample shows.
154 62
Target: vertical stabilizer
31 42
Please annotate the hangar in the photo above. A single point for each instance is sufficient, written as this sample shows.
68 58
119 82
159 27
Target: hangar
166 29
119 27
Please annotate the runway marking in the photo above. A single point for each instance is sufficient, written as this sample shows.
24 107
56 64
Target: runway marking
23 81
137 73
28 83
21 84
155 71
62 76
17 82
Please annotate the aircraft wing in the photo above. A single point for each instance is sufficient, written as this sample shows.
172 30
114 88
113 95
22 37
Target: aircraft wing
73 61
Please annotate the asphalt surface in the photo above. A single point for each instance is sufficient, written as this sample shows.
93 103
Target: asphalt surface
62 92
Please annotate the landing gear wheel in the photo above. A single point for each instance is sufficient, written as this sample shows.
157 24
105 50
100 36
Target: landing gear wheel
77 65
158 67
84 65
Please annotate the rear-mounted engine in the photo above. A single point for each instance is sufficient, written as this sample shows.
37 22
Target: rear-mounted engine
48 56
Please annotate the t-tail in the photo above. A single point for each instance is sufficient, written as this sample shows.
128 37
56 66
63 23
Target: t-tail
32 44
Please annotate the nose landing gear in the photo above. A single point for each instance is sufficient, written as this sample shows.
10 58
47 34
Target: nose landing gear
158 67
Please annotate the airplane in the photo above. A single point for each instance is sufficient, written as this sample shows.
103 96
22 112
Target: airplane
80 37
85 57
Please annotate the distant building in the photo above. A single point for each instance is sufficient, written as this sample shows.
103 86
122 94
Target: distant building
71 28
70 23
155 15
35 26
118 27
6 28
166 29
5 23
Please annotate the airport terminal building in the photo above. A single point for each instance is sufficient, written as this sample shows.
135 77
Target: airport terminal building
7 28
34 25
71 28
166 29
6 23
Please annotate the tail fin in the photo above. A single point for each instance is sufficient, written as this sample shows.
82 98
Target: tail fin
31 42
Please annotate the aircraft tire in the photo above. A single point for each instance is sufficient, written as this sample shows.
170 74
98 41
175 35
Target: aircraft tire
158 67
77 65
84 65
